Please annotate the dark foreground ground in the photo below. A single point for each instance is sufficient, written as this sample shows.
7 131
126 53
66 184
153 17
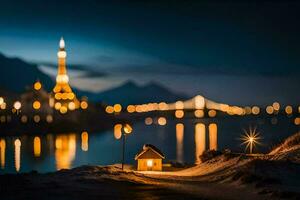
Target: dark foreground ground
227 176
82 183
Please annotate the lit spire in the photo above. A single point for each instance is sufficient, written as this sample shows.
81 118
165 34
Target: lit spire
61 43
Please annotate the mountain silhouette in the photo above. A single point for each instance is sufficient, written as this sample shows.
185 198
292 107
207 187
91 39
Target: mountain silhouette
131 93
17 74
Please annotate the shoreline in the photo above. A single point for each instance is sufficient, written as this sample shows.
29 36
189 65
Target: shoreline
223 177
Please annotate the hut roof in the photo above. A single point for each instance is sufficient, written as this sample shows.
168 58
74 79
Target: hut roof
152 148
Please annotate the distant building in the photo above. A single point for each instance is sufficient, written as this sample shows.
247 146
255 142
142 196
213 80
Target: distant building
63 97
149 159
35 104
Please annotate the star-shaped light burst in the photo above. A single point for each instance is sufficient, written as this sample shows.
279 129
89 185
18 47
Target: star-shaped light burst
250 139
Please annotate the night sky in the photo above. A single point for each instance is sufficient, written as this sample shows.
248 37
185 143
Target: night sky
191 46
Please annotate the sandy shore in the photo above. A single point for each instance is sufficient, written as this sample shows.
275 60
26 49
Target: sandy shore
220 178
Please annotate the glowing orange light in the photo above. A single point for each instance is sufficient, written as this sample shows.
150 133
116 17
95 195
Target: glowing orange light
37 146
276 106
199 113
84 141
36 105
17 155
212 113
127 128
109 109
131 108
250 139
63 110
117 108
37 85
255 110
270 110
118 131
162 121
71 106
57 105
84 105
289 110
179 114
179 105
3 106
148 121
297 121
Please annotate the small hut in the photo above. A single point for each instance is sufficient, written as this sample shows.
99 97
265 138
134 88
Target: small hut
149 159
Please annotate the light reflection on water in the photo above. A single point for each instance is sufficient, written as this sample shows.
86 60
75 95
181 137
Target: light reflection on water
65 150
181 140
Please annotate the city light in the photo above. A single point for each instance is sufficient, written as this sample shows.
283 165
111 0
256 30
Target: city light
37 85
17 105
250 139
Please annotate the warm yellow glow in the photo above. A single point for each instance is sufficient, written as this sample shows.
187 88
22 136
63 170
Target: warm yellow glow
179 105
17 105
270 110
57 105
276 106
127 128
71 106
1 100
298 109
179 114
213 136
3 106
51 102
36 105
37 85
84 105
118 131
131 108
149 163
37 146
162 121
17 155
163 106
49 118
36 118
65 151
117 108
58 96
200 143
297 121
109 109
255 110
24 119
289 110
250 139
63 110
148 121
2 153
84 141
212 113
199 113
179 142
199 102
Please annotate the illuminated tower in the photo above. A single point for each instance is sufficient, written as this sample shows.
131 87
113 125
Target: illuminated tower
64 99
